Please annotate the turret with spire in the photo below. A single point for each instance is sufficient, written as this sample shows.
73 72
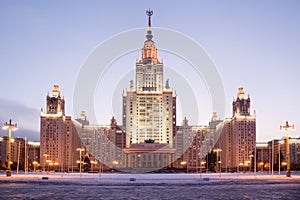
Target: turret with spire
149 52
55 104
149 69
241 105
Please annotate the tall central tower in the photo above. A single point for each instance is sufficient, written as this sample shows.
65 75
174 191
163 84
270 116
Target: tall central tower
149 70
149 108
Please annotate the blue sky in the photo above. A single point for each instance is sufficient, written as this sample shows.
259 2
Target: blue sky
254 44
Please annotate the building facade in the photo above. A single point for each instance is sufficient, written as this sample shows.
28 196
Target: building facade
24 153
59 138
148 136
277 154
193 144
104 143
237 139
17 152
262 156
149 107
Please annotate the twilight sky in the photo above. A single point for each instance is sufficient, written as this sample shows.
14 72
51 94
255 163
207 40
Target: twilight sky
253 44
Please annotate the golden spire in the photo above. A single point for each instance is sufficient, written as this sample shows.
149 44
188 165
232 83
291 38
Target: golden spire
149 13
149 35
149 51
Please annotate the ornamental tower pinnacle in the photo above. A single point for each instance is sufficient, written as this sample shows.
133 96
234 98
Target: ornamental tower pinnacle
55 104
241 105
149 70
149 51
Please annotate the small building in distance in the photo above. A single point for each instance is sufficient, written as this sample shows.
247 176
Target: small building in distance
104 143
20 155
277 154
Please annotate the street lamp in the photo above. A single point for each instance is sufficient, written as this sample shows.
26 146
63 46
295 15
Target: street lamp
45 160
184 163
34 165
203 163
115 163
250 162
262 166
100 167
11 127
55 166
48 161
80 150
218 161
93 162
284 164
287 127
241 166
50 165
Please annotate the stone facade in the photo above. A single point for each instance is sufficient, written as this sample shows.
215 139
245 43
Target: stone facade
58 135
149 108
238 135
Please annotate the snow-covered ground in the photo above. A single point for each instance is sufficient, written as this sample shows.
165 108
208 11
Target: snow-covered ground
150 186
167 178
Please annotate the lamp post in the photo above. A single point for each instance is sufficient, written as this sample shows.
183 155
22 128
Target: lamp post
255 160
201 164
250 162
19 151
11 127
241 166
261 166
279 162
80 150
272 157
55 166
45 160
93 162
100 168
284 164
50 165
184 163
218 162
34 163
286 128
115 164
207 163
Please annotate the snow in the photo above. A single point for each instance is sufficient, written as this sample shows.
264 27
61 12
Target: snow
148 178
150 186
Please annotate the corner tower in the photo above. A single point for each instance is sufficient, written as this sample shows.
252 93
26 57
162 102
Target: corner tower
55 104
241 106
238 135
58 135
